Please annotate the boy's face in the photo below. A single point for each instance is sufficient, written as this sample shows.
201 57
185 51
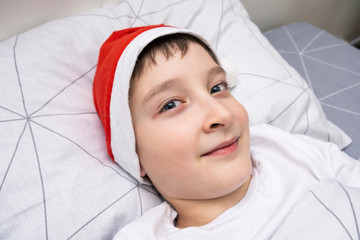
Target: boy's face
192 136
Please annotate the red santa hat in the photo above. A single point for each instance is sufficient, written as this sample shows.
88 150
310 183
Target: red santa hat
116 63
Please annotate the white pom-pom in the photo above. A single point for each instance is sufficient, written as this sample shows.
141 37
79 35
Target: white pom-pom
231 72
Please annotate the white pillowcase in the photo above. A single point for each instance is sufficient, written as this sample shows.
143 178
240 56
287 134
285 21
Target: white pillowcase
56 179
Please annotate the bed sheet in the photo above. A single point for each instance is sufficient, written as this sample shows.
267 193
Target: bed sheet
331 67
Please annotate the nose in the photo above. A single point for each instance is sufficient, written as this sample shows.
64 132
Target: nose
216 115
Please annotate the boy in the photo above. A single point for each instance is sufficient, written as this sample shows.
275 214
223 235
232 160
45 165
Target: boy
164 87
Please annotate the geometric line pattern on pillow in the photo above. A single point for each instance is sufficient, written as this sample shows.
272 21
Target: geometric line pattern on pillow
331 67
27 123
273 83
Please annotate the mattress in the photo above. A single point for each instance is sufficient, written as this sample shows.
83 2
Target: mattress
331 67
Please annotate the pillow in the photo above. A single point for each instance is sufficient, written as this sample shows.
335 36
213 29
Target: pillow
56 179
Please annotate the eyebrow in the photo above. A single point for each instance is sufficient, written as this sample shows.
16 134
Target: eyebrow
174 82
216 70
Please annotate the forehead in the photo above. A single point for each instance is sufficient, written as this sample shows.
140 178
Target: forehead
167 66
158 56
176 72
161 54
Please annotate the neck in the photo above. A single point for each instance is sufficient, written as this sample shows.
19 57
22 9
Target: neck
192 213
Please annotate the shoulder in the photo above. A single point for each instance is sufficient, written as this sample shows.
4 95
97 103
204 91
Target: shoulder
276 150
157 218
271 145
267 131
272 137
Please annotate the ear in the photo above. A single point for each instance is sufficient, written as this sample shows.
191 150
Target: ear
231 72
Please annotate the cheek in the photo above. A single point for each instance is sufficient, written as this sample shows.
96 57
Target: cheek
167 156
240 112
165 144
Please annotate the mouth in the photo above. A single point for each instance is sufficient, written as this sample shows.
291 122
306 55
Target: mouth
224 148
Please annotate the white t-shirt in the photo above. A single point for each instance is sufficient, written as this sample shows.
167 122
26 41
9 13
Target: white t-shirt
285 167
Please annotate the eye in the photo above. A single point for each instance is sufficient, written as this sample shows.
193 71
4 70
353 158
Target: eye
219 87
169 105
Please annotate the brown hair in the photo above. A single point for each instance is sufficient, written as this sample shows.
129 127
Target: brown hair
167 45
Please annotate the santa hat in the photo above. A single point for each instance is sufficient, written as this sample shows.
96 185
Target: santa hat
116 63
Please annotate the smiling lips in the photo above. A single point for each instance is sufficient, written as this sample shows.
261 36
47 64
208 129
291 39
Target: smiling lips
224 148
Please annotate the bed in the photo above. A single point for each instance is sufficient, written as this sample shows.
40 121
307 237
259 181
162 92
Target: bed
331 68
56 179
